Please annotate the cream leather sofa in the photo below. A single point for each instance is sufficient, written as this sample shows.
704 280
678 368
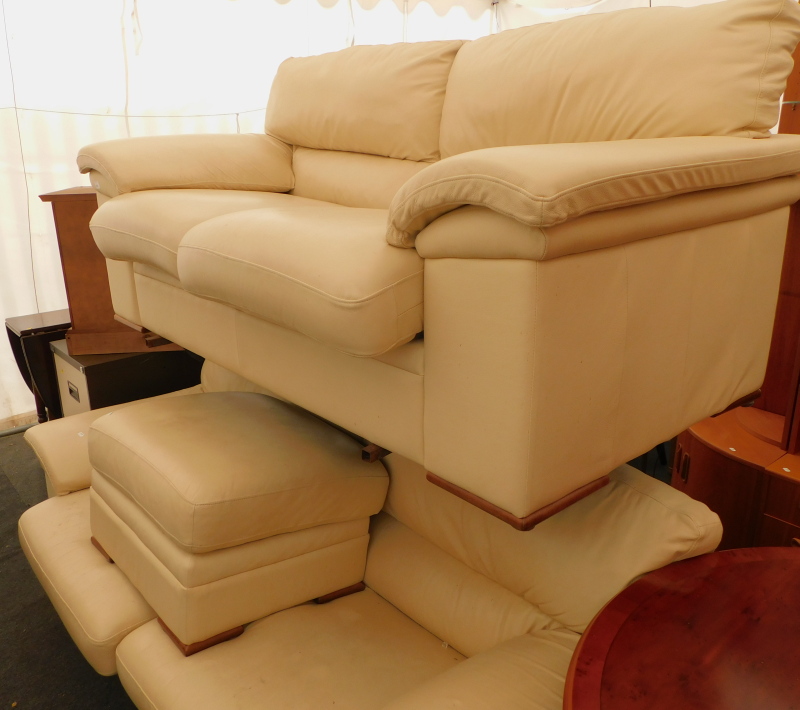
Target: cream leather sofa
594 211
515 263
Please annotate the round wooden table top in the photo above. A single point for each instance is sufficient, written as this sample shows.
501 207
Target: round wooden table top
716 632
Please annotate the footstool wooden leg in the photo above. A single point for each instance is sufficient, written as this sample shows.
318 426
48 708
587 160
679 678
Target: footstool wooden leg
188 649
352 589
100 548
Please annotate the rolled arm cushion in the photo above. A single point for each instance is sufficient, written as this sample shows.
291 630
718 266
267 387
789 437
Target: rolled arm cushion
546 185
222 162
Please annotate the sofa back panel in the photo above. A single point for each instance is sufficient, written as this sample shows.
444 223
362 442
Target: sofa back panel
716 69
383 100
571 564
467 610
350 179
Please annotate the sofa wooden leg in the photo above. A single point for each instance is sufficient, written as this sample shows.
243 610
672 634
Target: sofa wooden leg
100 548
530 521
188 649
352 589
372 453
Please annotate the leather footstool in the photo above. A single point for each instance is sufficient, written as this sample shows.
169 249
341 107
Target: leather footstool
222 508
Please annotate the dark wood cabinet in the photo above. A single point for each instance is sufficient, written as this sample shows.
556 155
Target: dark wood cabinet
723 464
745 463
750 482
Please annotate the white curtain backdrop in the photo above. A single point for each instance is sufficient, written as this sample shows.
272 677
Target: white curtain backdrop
82 71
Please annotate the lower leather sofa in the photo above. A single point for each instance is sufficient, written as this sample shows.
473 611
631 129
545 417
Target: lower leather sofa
460 609
513 264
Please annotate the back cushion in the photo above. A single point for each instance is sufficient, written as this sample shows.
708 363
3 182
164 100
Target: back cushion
383 100
715 69
350 179
571 564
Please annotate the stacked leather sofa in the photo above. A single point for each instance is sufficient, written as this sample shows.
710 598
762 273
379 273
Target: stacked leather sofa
516 263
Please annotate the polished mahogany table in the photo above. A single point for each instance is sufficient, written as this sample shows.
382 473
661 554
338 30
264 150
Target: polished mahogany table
716 632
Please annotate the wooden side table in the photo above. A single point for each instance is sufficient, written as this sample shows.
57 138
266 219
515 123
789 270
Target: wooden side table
94 330
716 632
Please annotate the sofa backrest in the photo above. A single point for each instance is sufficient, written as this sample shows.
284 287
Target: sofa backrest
716 69
350 179
474 581
362 120
365 119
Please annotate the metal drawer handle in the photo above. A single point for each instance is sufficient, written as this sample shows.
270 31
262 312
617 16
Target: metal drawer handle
795 542
678 458
687 461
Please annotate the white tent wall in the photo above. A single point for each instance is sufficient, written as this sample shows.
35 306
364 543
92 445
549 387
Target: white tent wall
78 72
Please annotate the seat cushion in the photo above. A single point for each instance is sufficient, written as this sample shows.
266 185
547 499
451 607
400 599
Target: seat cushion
357 653
220 469
524 673
94 599
147 227
323 270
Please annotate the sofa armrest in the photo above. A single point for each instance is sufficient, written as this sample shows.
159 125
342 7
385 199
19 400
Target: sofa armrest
222 162
547 185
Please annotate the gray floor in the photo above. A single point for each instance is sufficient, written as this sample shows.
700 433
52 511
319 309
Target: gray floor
40 667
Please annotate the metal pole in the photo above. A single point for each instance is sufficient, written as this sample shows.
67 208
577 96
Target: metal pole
16 430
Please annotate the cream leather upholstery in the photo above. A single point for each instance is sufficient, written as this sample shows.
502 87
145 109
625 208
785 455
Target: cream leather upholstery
315 103
470 601
96 602
359 651
447 581
622 75
222 162
576 179
62 446
280 470
215 536
350 179
630 175
348 289
151 224
516 263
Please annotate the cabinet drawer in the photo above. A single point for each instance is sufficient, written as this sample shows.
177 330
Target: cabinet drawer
776 533
783 500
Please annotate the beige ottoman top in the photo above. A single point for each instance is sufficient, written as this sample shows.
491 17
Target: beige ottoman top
221 469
